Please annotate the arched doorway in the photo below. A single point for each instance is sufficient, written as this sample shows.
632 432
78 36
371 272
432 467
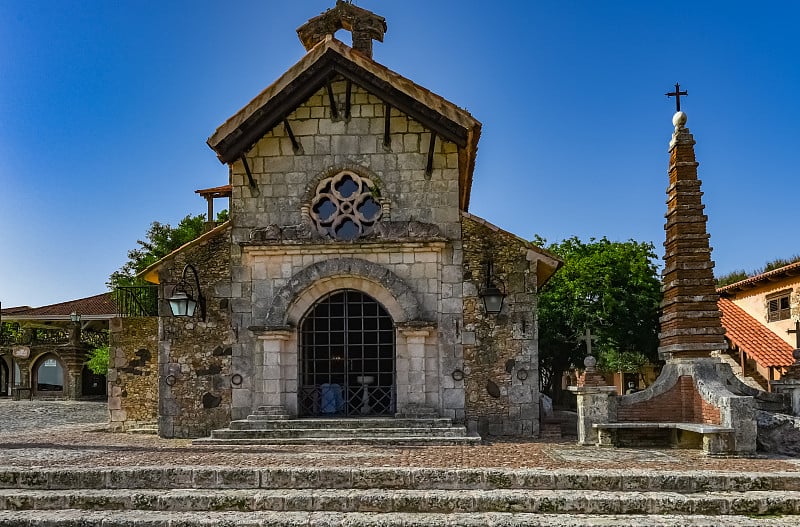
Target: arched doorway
5 378
49 376
347 357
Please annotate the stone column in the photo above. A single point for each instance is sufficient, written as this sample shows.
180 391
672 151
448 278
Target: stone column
271 373
411 371
73 357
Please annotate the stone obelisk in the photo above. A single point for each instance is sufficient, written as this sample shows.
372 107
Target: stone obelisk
690 320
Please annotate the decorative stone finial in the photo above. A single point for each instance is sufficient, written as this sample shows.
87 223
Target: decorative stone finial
679 120
365 26
590 362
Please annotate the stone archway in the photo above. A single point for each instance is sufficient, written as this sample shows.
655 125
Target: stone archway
5 378
346 357
416 363
303 289
49 376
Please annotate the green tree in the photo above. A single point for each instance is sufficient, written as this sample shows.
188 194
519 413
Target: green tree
741 274
732 278
610 288
160 240
98 360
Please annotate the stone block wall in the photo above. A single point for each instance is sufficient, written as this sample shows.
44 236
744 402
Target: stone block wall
500 351
133 372
417 240
415 281
195 356
286 178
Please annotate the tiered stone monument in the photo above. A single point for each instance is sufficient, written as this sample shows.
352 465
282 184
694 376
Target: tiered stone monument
690 403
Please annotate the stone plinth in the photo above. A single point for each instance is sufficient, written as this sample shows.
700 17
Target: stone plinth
595 405
789 384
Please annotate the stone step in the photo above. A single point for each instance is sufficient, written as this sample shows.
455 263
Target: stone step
75 518
144 430
202 477
253 431
269 421
329 440
413 501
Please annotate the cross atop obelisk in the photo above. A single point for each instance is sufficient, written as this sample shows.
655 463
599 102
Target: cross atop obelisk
677 94
588 337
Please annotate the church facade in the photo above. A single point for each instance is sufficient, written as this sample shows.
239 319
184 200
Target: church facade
351 280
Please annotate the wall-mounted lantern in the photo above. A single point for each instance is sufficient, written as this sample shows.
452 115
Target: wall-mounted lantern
491 295
75 328
182 303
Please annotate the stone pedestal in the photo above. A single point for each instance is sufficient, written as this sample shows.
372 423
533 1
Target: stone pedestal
595 405
789 384
791 388
272 374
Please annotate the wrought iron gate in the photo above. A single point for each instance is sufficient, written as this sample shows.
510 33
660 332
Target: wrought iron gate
347 351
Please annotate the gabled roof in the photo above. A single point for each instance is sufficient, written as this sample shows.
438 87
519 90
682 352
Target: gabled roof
150 273
330 58
767 348
97 307
775 275
550 262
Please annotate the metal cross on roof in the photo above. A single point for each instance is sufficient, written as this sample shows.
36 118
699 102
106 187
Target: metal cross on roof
588 337
677 94
796 332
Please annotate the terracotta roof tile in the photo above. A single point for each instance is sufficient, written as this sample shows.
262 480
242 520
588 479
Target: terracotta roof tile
755 339
101 304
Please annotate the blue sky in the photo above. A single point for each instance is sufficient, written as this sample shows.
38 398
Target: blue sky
105 107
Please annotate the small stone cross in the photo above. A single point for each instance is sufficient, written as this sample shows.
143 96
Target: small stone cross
588 337
677 94
796 332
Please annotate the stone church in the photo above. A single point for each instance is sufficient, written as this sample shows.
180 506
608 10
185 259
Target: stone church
351 280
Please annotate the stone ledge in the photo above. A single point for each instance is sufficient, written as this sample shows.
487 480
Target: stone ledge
700 428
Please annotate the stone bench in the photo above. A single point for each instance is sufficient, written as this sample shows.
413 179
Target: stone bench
713 439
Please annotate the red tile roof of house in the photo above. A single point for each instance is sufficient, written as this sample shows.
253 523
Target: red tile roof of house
786 271
101 305
13 310
755 339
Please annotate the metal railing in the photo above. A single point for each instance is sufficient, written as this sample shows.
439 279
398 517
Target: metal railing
136 301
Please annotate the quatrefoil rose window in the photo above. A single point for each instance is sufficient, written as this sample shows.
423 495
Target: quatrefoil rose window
344 207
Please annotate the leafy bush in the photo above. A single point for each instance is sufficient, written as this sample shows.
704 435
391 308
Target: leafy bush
98 360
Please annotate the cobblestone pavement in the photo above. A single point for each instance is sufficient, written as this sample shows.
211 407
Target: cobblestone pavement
73 434
34 416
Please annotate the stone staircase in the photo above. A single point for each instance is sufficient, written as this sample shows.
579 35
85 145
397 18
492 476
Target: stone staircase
402 497
751 377
268 427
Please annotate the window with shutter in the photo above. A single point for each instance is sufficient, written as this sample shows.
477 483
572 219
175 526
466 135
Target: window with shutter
778 307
